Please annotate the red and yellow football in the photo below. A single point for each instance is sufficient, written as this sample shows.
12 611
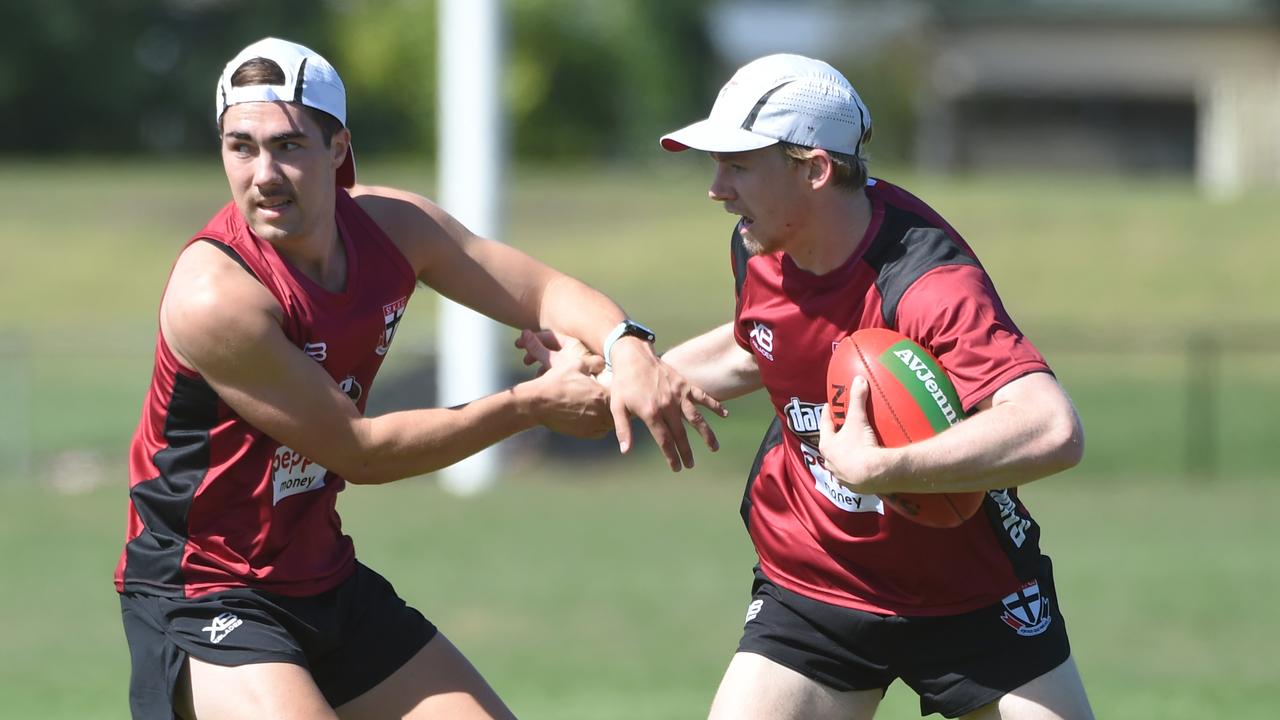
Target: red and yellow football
911 399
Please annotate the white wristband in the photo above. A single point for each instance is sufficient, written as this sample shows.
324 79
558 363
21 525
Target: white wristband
624 329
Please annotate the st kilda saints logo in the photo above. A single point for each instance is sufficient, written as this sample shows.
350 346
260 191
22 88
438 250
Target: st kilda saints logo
1026 610
391 315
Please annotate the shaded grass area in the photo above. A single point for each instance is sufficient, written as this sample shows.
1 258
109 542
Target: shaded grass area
617 589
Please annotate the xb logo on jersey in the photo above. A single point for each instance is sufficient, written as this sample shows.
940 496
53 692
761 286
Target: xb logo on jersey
762 340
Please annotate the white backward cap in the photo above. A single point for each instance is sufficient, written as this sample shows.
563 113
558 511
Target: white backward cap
775 98
309 80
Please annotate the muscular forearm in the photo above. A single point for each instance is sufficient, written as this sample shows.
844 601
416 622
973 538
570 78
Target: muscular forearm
415 442
1005 446
1026 430
715 362
575 309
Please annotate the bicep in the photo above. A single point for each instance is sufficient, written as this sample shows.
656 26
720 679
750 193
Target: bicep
955 313
1038 391
489 277
225 329
486 275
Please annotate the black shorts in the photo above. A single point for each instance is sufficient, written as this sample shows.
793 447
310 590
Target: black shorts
956 663
350 638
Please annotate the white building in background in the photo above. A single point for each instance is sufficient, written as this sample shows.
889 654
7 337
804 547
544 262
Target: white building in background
1160 86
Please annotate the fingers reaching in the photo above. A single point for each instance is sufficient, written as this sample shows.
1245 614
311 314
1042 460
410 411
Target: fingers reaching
535 350
695 418
621 423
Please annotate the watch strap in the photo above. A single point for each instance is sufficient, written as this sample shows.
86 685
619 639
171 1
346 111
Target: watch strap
626 328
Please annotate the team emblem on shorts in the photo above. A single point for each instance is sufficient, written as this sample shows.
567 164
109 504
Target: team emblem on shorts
221 626
1026 610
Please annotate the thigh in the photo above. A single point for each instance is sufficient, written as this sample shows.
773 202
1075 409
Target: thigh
277 690
755 687
841 648
374 634
1056 695
437 682
224 630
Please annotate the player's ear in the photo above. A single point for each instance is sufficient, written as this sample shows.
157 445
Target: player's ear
820 168
338 145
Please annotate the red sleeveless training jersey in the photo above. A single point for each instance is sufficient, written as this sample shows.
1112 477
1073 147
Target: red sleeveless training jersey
911 272
214 502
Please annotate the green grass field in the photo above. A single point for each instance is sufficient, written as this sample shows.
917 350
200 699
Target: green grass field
614 589
617 590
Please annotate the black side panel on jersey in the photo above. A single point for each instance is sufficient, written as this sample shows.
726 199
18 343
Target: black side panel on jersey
738 250
233 255
772 439
1017 532
906 248
154 558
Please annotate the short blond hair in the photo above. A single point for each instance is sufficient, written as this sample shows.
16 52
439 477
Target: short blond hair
850 171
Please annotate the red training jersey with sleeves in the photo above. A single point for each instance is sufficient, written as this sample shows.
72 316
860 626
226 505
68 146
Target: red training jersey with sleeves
913 273
214 503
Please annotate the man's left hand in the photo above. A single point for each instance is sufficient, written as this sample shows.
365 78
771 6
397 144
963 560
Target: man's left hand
852 454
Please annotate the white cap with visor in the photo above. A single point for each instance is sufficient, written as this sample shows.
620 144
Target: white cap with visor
309 80
788 98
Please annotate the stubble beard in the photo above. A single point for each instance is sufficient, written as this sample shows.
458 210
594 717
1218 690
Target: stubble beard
755 247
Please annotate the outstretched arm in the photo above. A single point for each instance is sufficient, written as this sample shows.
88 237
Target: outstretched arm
222 323
550 350
716 363
511 287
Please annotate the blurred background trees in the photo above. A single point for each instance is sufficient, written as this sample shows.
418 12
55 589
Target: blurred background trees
584 78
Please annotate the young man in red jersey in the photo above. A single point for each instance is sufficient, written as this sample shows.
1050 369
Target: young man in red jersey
848 595
241 597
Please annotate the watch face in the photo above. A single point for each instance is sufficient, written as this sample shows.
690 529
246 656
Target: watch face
635 329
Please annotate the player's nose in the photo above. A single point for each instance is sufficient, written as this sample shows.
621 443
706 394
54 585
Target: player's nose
721 190
266 170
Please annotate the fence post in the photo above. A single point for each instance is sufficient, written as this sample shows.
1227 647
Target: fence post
1202 436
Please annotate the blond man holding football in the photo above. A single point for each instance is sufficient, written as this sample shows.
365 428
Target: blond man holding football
849 595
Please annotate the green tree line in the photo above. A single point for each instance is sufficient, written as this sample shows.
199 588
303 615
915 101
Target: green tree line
584 78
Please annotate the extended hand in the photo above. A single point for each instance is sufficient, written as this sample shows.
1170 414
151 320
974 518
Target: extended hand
662 398
652 390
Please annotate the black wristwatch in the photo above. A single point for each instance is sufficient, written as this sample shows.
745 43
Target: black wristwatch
626 328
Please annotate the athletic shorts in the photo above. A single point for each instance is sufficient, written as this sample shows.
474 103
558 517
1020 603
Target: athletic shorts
350 638
956 663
